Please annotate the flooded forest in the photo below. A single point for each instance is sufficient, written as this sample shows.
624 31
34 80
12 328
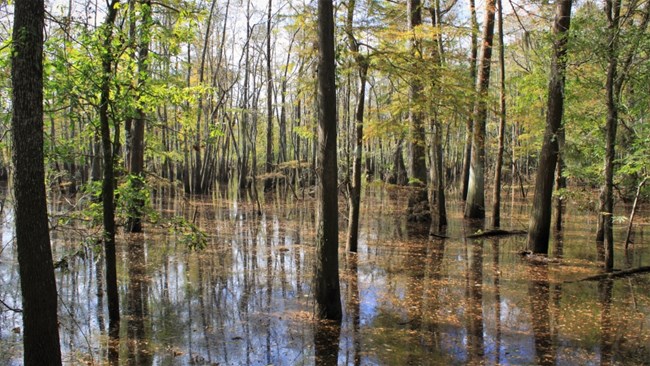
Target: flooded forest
359 182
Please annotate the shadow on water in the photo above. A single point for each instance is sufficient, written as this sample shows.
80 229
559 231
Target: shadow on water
409 299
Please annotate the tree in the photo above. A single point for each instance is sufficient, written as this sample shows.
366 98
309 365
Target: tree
475 204
496 193
108 183
326 274
136 179
355 185
540 217
618 69
418 204
37 283
469 125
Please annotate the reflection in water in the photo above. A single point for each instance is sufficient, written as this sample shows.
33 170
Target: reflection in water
605 287
246 299
539 294
137 300
475 342
474 294
326 343
353 302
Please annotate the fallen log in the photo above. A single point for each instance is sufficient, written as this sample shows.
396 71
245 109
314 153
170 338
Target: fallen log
615 274
496 232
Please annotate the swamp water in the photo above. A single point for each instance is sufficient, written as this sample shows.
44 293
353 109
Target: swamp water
408 299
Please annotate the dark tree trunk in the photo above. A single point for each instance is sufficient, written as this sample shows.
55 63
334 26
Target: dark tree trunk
108 186
496 193
326 274
136 180
475 204
540 217
37 283
613 10
355 184
418 204
467 155
268 182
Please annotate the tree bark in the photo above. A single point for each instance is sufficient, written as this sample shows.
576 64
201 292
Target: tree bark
108 184
467 155
540 217
496 193
418 203
355 185
475 204
136 179
269 103
37 282
326 274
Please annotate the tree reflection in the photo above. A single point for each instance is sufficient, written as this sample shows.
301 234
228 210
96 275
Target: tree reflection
605 287
137 303
353 301
326 343
539 294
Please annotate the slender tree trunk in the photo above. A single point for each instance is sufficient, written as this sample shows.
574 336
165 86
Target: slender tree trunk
418 204
540 217
437 166
613 11
108 187
475 204
269 103
467 155
136 179
37 282
496 193
326 275
355 185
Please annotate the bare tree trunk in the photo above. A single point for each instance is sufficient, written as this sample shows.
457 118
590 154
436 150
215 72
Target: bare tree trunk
418 204
496 193
37 282
467 155
475 204
326 274
136 179
269 103
108 187
540 217
355 185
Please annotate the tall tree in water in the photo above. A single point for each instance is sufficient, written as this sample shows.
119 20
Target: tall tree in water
136 177
37 283
269 102
540 216
475 204
355 185
108 184
326 274
619 63
467 156
418 205
496 193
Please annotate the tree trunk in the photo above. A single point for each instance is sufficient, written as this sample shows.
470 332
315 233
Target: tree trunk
37 282
418 204
136 178
326 274
475 204
613 10
540 217
470 120
268 182
496 193
108 186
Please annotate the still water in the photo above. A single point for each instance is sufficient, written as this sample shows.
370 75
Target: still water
408 299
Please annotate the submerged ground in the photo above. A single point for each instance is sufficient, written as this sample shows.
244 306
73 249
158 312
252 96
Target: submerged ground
408 299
